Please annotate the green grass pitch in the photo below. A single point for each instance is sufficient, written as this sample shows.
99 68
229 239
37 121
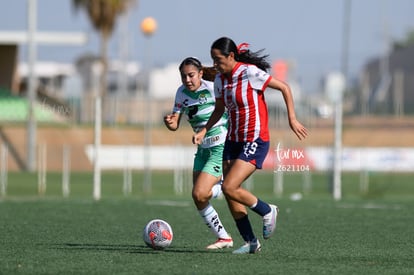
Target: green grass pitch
369 233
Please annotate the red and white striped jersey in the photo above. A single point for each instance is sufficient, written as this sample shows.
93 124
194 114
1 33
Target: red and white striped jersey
243 96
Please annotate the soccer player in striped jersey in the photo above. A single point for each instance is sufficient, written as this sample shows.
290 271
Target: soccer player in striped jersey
239 89
195 98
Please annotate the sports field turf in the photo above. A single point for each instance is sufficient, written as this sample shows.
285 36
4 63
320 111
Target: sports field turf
362 234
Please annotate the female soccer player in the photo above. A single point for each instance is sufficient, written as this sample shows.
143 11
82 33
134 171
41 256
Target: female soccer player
195 98
240 88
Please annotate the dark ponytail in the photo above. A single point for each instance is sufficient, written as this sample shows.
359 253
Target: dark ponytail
226 45
209 73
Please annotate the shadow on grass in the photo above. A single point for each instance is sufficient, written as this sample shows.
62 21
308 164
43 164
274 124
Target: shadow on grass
127 248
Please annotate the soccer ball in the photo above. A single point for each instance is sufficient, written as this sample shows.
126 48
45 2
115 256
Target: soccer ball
158 234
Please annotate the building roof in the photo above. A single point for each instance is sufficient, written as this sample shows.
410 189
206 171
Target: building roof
50 38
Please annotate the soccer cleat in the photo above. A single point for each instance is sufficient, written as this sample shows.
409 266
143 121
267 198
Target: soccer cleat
249 248
269 222
221 243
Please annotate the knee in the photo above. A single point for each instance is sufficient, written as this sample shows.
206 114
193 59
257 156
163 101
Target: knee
228 190
199 196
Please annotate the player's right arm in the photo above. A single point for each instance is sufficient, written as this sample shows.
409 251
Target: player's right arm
215 116
172 121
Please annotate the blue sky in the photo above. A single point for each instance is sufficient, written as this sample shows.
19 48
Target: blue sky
307 33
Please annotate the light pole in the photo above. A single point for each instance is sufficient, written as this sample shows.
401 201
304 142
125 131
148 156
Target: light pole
96 74
339 84
148 27
31 91
335 85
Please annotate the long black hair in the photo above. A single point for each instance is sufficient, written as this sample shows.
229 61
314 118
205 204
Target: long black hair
209 73
226 45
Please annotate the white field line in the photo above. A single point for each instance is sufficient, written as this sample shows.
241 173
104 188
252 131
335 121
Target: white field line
169 203
370 206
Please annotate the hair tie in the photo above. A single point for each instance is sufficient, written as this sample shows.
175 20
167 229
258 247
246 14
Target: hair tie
243 47
194 59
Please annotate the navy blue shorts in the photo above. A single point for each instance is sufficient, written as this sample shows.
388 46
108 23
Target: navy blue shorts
254 152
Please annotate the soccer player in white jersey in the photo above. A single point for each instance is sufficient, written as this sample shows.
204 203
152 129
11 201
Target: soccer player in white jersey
239 88
195 98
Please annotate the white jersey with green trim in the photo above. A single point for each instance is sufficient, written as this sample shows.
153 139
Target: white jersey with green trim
198 107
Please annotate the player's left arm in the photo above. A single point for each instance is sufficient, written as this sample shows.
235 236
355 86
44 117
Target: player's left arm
300 131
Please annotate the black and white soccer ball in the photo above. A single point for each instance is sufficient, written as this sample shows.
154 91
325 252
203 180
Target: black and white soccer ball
158 234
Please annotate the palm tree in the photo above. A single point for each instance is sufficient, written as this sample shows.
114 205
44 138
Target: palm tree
103 15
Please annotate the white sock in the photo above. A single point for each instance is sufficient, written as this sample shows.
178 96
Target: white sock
216 190
212 220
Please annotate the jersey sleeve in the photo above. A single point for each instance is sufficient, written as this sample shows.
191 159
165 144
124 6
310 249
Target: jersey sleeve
178 101
258 78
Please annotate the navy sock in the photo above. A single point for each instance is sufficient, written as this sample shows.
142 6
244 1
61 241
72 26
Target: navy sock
261 208
245 229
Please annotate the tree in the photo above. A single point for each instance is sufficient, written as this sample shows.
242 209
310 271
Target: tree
103 15
406 42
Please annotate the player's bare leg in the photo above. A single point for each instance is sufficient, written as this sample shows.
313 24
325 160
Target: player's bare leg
203 183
